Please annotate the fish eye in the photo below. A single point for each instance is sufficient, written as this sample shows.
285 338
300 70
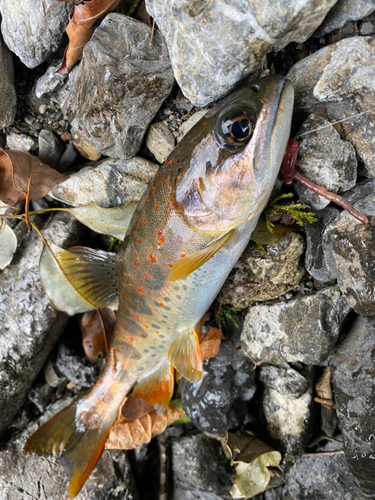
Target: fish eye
234 127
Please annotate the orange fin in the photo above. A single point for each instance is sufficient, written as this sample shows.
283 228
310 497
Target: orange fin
185 355
157 388
187 265
80 445
264 237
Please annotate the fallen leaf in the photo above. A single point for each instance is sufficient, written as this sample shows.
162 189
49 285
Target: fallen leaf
15 166
97 329
210 344
135 408
8 245
125 435
81 27
323 386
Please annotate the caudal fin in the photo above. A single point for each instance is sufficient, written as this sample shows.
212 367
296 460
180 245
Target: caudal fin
80 444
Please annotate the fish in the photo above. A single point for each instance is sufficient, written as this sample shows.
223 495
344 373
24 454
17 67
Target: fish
185 235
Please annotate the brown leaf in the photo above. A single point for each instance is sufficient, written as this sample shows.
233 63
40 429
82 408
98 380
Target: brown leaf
97 329
210 344
81 27
246 448
135 408
125 435
14 175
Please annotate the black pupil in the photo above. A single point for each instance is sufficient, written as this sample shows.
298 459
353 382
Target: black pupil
240 129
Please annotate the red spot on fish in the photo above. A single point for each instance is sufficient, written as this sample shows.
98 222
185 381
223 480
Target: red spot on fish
204 123
170 265
126 296
156 206
146 200
157 332
168 183
143 335
159 181
161 238
140 290
147 276
131 339
135 265
137 227
146 326
182 255
153 187
136 255
139 241
141 281
143 222
139 303
135 356
170 162
137 316
152 258
129 275
161 304
117 349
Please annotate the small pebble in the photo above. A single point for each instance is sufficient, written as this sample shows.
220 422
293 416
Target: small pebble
42 109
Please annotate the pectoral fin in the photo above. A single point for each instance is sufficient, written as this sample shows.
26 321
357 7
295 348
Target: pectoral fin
185 355
264 237
190 263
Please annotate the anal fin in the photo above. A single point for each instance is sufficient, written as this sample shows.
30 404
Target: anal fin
185 355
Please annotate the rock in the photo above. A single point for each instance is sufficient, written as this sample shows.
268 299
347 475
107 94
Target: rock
328 421
349 248
30 326
276 272
189 124
287 381
160 141
51 82
109 183
217 403
20 141
119 86
314 257
324 159
40 395
76 368
8 98
343 12
85 147
304 329
361 190
200 470
338 82
214 45
67 159
50 148
353 376
33 476
33 31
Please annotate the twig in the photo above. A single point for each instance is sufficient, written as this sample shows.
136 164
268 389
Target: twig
152 31
324 453
28 196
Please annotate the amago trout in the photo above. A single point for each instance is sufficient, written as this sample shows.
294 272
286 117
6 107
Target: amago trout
186 234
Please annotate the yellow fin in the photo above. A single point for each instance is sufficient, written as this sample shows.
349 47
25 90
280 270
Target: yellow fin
157 388
185 355
264 237
187 265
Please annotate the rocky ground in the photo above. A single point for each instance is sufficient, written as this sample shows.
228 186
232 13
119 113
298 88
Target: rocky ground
300 371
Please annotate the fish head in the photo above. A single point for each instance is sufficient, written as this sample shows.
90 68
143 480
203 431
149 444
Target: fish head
233 156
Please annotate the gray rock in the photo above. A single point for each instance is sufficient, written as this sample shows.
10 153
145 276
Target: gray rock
40 395
338 81
67 159
34 30
29 325
51 82
314 257
214 45
109 183
304 329
324 159
20 141
119 86
217 403
50 148
200 470
287 381
353 370
343 12
76 368
8 98
276 272
189 124
28 477
361 190
348 247
328 421
160 141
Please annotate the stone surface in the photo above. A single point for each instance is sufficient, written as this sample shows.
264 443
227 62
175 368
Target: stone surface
276 272
67 159
29 325
8 98
304 329
34 30
200 470
76 368
287 381
325 159
50 148
343 12
353 376
109 183
20 141
214 45
120 84
29 477
189 124
40 395
160 141
349 248
51 82
217 403
338 81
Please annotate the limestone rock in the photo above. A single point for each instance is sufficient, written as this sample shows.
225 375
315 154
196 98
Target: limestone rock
8 98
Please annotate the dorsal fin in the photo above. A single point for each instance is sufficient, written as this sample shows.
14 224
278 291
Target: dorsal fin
190 263
185 355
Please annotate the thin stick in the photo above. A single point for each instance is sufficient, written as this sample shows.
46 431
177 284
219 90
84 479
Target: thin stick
28 197
324 453
152 31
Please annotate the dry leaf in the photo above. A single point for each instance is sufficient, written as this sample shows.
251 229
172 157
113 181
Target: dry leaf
8 245
125 435
15 168
210 344
81 27
135 408
97 329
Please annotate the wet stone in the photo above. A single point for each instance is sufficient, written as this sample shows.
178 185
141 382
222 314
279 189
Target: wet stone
304 329
119 86
67 159
160 141
217 403
353 376
8 98
76 368
51 82
343 12
50 148
40 395
286 381
349 249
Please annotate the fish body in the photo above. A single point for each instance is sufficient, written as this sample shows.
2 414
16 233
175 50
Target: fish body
187 232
